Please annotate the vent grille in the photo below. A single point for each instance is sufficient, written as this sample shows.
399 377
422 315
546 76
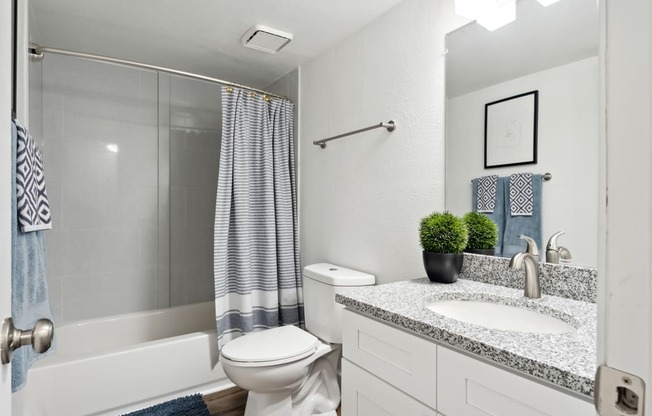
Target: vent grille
266 39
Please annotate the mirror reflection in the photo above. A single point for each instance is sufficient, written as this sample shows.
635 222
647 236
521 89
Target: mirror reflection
552 50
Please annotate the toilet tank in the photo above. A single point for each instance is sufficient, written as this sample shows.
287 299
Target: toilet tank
320 284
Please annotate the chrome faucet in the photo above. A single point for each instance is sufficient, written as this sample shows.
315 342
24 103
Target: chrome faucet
531 260
555 253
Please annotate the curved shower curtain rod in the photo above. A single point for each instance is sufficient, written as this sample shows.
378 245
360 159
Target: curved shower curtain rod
36 52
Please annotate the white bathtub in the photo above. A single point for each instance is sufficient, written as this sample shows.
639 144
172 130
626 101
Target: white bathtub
114 365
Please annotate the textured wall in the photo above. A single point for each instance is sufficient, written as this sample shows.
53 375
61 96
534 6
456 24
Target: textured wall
361 198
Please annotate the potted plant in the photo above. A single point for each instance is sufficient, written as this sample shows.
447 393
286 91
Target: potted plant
483 234
443 236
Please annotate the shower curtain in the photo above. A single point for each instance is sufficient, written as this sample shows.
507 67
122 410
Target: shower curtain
256 257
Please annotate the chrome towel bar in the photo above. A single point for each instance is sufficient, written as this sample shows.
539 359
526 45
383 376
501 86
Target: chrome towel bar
390 126
546 177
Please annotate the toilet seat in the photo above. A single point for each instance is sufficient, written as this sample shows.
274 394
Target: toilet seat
270 347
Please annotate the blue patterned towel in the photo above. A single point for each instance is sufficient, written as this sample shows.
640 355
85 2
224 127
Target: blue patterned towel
486 193
29 287
529 225
33 206
521 195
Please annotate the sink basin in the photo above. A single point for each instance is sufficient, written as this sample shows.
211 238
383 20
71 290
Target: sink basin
498 316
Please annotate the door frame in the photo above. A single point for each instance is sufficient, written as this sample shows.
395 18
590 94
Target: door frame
6 13
625 218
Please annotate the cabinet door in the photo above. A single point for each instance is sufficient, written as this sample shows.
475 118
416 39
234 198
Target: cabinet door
364 394
402 359
469 387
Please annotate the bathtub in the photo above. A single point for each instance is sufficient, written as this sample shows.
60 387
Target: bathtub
118 364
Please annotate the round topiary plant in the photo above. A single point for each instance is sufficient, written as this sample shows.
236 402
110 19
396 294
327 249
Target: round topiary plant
443 232
483 231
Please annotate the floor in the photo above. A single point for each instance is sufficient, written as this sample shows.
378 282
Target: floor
230 402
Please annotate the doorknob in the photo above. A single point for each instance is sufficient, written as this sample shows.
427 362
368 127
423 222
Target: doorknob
40 338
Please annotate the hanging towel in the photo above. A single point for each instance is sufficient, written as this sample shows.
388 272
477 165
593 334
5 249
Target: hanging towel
498 214
486 193
521 200
33 206
516 225
29 289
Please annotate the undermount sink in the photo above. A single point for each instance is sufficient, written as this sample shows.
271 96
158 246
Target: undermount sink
498 316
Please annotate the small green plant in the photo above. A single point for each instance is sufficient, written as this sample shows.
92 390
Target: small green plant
483 231
443 232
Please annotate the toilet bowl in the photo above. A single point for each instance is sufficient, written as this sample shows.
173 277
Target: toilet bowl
289 371
272 381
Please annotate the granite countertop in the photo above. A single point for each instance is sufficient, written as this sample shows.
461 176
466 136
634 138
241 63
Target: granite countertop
567 360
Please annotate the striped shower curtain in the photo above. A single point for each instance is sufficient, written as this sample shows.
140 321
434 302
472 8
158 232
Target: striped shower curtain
256 256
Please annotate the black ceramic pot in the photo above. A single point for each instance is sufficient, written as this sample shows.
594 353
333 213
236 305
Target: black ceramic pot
483 251
442 267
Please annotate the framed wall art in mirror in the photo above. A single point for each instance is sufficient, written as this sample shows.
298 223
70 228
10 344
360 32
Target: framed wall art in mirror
510 130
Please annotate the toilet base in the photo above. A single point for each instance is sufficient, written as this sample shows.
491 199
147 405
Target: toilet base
271 404
318 393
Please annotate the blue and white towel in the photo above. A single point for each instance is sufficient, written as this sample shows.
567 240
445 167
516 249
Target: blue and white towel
499 212
32 198
529 225
29 288
486 193
521 195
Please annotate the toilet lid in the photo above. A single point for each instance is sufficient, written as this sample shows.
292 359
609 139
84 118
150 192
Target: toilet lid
276 344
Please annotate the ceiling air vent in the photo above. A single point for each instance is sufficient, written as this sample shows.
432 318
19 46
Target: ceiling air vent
266 39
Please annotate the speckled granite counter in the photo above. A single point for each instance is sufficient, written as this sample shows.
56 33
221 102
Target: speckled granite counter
567 360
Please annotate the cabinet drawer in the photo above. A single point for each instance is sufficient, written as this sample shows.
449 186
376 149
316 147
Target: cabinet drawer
401 359
363 394
468 387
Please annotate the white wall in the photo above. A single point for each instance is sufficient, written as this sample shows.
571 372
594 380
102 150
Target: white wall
567 148
361 198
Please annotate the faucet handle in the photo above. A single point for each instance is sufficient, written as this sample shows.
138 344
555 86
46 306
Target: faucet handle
565 255
531 245
552 243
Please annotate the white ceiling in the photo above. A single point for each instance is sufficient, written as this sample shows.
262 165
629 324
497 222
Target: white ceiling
540 38
201 36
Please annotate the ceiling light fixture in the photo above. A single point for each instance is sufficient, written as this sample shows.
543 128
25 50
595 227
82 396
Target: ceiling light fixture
546 3
491 14
499 17
472 9
266 39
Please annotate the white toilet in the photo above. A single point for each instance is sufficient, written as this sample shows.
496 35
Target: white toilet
289 371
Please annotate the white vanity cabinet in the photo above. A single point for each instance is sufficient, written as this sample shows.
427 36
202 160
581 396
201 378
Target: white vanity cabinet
470 387
387 371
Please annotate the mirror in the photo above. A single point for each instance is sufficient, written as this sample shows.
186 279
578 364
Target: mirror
552 50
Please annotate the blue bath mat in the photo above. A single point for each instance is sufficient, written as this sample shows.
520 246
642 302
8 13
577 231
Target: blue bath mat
187 406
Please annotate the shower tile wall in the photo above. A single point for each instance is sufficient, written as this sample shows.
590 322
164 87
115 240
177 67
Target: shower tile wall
195 131
126 236
100 138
